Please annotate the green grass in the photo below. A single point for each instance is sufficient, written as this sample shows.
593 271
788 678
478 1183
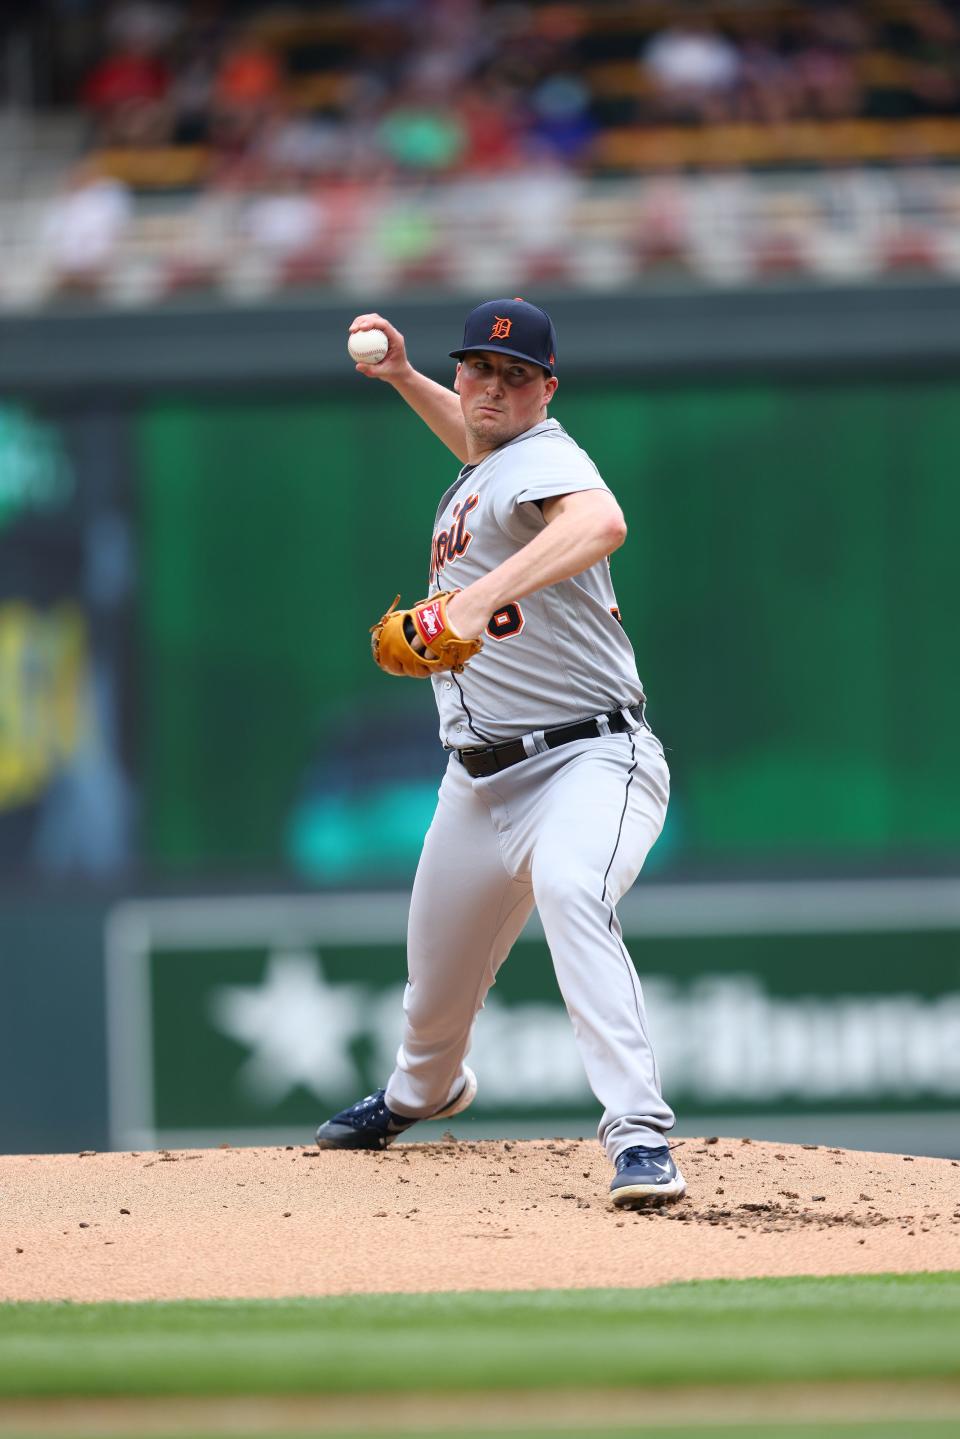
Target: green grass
728 1332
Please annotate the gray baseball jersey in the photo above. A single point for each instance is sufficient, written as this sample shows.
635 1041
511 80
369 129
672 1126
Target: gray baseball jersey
556 656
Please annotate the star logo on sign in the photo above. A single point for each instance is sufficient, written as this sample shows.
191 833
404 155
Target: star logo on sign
297 1026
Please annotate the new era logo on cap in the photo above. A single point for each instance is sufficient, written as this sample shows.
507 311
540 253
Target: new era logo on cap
512 327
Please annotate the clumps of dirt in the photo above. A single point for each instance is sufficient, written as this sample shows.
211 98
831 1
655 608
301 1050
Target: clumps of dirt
772 1218
449 1215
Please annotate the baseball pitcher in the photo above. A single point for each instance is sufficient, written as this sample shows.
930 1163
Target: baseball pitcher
556 788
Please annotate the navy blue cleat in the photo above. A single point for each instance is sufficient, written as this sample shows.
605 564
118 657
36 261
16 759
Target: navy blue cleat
369 1124
646 1176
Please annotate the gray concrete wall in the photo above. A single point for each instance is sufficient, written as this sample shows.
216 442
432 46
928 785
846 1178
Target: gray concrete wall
653 332
53 1072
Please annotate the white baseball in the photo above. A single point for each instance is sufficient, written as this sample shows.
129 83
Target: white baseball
368 346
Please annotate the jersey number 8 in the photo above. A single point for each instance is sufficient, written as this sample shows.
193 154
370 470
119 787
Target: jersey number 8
506 622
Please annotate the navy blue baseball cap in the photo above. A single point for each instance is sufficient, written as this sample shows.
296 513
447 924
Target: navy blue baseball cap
513 327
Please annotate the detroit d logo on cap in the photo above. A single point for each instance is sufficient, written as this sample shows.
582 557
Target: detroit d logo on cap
501 328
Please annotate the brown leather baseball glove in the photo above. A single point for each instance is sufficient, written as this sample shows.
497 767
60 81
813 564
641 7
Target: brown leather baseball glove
419 642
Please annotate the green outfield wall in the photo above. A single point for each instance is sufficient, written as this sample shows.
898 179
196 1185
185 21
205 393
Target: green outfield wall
786 581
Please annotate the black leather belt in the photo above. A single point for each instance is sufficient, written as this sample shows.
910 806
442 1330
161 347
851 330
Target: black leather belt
479 763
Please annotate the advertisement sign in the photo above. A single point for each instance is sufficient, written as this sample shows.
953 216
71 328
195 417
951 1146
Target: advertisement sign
248 1020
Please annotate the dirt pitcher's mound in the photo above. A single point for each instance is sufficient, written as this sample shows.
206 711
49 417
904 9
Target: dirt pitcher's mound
266 1223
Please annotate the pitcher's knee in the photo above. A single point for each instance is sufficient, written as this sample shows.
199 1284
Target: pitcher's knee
435 1019
433 1026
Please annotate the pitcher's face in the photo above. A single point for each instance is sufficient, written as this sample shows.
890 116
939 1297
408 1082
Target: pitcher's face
501 397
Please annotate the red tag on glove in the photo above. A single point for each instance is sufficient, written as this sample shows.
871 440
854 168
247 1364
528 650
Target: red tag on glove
428 621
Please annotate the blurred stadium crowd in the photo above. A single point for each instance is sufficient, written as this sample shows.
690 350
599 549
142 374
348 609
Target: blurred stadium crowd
153 147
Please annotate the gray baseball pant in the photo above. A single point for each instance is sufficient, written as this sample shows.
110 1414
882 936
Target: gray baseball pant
568 830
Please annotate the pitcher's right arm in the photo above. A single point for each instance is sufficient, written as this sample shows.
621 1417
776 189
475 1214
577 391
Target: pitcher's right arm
438 407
